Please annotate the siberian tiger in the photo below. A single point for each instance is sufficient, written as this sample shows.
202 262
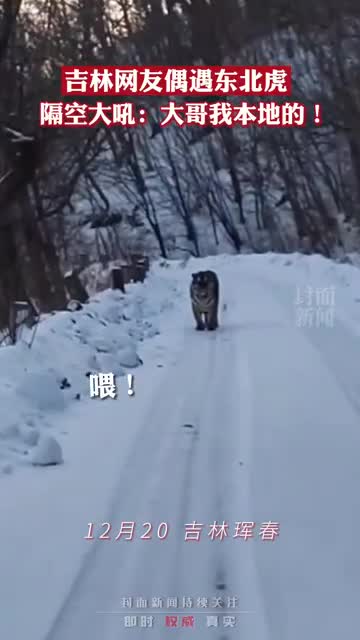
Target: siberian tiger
204 293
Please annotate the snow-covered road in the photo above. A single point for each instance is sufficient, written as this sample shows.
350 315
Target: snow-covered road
257 422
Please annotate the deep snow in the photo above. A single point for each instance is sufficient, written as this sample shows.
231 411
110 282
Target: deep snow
275 436
39 383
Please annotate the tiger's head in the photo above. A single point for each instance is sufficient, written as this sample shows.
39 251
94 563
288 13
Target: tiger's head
201 283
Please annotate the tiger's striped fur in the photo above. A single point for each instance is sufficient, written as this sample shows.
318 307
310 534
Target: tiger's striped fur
204 294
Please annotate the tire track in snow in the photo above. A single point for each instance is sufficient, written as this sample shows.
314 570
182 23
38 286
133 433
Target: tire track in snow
192 411
99 582
153 431
219 468
175 480
204 503
231 441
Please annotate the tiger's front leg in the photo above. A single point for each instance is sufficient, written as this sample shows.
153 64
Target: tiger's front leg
199 321
212 319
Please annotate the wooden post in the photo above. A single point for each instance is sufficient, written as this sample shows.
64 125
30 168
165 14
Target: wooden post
117 279
133 273
138 259
75 287
140 273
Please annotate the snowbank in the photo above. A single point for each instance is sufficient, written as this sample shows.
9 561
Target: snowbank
39 383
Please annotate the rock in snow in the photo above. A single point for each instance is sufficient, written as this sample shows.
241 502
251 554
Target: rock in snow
47 452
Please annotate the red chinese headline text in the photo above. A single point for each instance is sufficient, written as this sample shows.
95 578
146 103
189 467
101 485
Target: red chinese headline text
172 81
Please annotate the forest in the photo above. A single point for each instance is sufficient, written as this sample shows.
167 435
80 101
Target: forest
70 199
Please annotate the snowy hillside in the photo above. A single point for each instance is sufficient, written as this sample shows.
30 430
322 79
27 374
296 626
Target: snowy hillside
239 189
255 423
